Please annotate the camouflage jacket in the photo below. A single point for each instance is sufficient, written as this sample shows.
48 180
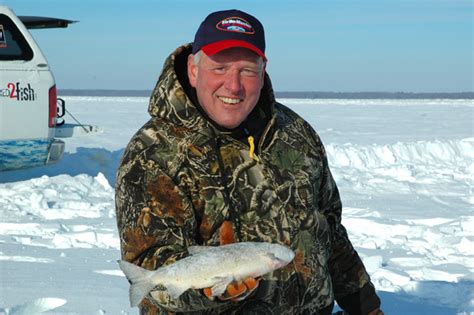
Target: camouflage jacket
181 177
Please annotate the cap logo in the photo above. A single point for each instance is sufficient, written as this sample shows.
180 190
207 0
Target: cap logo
235 24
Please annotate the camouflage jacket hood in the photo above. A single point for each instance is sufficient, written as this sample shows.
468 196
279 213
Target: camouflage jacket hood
180 178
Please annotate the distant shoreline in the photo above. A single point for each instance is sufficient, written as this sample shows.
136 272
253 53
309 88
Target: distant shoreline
311 95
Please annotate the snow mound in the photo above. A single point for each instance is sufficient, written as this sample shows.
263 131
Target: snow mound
54 205
60 197
454 153
35 307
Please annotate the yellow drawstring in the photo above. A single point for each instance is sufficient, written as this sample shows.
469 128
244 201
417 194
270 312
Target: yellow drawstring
252 146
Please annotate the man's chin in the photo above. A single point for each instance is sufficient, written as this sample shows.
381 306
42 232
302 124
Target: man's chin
228 125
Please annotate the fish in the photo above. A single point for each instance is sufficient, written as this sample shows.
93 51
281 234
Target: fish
207 267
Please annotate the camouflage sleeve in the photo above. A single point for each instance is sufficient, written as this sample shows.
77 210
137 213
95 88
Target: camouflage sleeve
345 266
156 224
347 270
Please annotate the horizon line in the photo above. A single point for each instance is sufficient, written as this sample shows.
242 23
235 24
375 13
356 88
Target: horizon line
286 94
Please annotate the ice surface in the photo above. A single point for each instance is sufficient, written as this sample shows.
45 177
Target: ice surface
404 169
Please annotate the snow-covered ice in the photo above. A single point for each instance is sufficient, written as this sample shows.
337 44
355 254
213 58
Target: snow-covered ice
404 168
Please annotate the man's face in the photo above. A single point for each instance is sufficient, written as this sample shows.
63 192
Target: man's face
228 84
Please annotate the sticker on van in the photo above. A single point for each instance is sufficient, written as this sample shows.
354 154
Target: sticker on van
3 39
19 92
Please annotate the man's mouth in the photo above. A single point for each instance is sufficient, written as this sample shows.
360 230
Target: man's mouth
229 100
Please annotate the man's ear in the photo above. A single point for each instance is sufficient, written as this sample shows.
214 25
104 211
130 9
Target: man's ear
192 71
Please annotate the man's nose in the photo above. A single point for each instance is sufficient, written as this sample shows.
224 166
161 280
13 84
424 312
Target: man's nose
233 81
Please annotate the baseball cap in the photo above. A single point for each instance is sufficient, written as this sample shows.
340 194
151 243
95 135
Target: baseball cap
230 28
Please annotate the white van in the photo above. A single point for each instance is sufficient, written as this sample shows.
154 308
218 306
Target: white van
28 102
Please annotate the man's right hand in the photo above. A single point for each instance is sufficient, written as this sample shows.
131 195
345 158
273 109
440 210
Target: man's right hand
236 290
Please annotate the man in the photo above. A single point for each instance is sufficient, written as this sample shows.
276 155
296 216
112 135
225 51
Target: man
221 161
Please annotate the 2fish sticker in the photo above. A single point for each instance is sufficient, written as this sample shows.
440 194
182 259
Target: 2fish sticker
18 92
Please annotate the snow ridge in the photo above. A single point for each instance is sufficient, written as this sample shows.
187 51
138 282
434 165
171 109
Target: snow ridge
451 153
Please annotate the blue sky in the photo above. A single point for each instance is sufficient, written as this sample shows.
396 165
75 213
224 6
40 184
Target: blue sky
330 45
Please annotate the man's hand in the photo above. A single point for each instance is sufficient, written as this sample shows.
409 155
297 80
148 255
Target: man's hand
236 290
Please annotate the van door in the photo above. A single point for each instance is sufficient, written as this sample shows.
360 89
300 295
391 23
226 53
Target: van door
27 97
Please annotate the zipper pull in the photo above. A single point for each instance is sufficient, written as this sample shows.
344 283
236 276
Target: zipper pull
252 146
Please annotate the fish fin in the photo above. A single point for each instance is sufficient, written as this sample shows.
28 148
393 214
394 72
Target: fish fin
174 291
221 285
196 249
140 279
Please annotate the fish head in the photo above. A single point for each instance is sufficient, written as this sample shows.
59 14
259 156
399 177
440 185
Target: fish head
281 256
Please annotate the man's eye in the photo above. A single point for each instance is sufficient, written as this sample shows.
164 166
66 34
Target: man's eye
219 70
250 72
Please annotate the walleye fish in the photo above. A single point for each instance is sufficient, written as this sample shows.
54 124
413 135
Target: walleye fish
208 266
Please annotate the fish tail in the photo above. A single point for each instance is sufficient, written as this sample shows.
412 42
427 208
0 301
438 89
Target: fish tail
140 278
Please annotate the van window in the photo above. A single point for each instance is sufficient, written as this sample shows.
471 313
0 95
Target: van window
13 45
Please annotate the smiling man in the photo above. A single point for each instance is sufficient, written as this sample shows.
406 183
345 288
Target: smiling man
228 84
221 161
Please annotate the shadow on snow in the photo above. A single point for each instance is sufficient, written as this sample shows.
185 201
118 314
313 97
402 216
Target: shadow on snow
430 297
88 161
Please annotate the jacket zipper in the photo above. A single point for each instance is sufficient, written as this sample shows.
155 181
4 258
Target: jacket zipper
233 216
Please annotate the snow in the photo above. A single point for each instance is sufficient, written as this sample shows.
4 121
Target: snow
404 169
